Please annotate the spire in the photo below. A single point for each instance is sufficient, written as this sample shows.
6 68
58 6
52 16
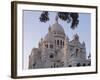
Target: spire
83 43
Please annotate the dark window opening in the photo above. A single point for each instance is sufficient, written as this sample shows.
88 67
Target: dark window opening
84 64
78 65
77 51
70 66
51 46
57 42
51 56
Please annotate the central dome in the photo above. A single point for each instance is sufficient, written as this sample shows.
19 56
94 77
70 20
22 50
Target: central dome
56 27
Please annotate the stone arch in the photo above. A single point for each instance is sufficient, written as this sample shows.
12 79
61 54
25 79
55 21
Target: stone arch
51 56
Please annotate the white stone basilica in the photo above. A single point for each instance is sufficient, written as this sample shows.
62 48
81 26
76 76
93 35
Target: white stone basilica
56 50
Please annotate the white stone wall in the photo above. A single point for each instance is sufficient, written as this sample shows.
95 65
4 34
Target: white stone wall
66 54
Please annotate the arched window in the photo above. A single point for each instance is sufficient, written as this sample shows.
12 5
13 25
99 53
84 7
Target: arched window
51 56
84 64
78 64
57 42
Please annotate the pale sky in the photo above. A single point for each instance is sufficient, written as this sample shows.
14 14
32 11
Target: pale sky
33 30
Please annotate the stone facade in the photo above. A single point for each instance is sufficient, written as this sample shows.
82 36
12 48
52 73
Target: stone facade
56 50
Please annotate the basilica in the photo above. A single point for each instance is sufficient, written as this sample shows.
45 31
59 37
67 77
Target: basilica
57 50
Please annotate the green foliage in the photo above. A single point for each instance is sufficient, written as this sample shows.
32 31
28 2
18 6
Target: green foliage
75 20
44 16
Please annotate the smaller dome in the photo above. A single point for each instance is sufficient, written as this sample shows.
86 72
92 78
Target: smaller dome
49 37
